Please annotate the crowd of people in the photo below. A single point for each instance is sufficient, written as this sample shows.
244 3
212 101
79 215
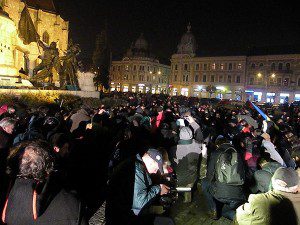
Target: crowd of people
113 165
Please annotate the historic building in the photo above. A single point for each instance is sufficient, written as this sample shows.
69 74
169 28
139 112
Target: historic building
48 24
139 71
270 78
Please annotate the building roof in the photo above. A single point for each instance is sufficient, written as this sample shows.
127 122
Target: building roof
46 5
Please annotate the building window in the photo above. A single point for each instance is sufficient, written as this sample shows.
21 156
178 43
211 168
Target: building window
286 82
253 66
204 78
185 66
222 66
229 79
176 67
220 78
261 65
239 66
113 68
46 37
288 66
119 68
280 65
175 78
133 77
213 67
197 67
273 66
185 78
197 78
299 82
230 66
238 79
212 78
148 78
251 81
134 67
205 66
279 81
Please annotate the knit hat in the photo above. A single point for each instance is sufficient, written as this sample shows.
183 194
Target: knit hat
156 156
286 180
185 136
266 136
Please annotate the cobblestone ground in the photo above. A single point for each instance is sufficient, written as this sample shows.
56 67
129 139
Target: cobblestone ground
195 213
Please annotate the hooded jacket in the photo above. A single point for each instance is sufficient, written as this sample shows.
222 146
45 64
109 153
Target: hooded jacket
185 157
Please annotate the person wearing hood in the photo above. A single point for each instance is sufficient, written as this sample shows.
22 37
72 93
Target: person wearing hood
278 206
35 198
186 156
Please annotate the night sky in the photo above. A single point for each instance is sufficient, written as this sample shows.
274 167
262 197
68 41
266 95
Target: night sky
220 27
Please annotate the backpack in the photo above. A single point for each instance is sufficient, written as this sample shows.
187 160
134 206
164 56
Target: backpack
230 168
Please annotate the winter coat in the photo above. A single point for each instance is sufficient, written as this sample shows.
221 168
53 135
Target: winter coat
130 192
270 148
271 208
80 116
52 206
263 177
186 157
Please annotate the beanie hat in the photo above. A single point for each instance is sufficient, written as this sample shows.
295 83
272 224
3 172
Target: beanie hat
286 180
185 136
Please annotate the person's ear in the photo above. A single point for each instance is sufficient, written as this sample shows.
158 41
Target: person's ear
56 149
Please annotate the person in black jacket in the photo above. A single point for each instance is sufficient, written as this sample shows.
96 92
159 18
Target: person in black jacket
36 197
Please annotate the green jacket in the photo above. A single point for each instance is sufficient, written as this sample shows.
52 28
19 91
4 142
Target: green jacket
271 208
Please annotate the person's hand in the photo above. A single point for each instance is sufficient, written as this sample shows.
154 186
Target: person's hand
164 189
89 126
190 119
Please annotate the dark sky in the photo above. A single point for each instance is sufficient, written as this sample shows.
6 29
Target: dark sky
220 27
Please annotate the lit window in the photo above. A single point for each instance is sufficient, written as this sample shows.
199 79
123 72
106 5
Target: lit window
239 66
222 66
212 78
213 66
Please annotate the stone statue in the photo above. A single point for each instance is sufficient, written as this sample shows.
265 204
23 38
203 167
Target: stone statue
50 60
68 75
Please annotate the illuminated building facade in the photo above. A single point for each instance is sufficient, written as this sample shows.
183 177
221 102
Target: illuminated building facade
139 71
266 78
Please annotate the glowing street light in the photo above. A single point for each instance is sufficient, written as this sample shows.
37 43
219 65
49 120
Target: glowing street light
273 75
159 72
259 75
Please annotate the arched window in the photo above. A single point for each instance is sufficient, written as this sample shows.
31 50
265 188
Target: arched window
273 66
288 66
46 37
280 66
261 65
230 66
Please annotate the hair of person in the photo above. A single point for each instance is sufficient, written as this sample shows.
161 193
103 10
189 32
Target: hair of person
36 162
7 121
